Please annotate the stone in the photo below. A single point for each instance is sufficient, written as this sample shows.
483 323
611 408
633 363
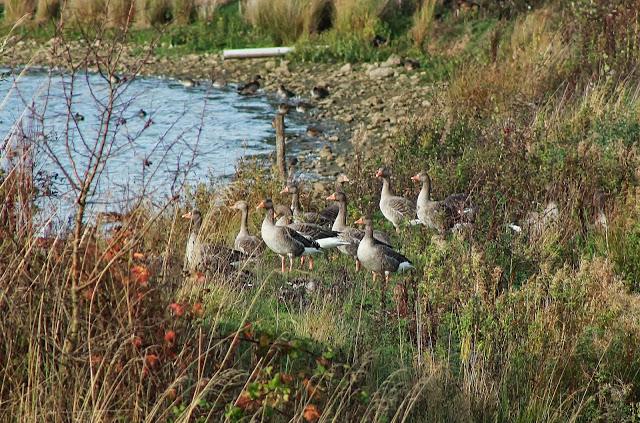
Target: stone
318 187
380 73
346 68
393 61
270 65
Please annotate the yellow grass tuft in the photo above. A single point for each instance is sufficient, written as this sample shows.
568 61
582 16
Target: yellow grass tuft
152 12
48 10
16 9
422 22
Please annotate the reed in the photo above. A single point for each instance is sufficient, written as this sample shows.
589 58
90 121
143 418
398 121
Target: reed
183 11
14 10
120 13
152 12
47 10
422 22
85 11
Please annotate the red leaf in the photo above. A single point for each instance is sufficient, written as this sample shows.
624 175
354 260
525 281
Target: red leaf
177 309
170 337
311 413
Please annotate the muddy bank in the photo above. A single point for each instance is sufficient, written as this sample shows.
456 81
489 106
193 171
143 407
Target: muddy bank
375 98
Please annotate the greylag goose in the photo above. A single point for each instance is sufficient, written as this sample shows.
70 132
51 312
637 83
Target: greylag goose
455 210
396 209
298 214
189 83
319 92
219 83
250 87
207 257
331 211
349 234
284 93
291 172
379 258
283 108
326 238
285 241
245 242
303 107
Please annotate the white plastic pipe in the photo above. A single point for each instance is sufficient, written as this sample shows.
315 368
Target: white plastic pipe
246 53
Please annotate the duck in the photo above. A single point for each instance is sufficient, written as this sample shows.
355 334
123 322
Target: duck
208 257
303 107
189 83
331 211
313 131
298 214
284 93
246 243
319 92
440 215
285 241
142 113
219 83
283 108
379 258
395 209
251 87
352 235
114 79
78 117
411 64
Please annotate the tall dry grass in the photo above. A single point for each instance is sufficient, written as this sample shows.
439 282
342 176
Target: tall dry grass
85 11
47 10
283 20
422 22
355 16
152 12
120 12
183 11
16 9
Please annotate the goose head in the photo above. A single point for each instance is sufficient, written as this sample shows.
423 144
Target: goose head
266 204
195 217
337 196
420 177
240 205
383 172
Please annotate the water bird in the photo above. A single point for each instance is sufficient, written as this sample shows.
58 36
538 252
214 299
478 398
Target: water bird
285 93
440 215
250 87
331 211
219 83
208 257
114 79
411 64
302 107
395 209
319 92
245 242
326 238
298 214
189 83
283 108
142 113
353 236
78 117
285 241
379 258
313 131
378 41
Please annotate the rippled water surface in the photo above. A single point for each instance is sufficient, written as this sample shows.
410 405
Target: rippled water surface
200 129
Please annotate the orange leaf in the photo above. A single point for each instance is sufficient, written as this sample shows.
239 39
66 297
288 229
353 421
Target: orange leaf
95 359
197 309
177 309
137 341
140 274
200 277
311 413
138 256
169 336
151 360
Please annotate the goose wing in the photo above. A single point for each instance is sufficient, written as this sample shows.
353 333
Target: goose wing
299 238
251 245
313 231
402 206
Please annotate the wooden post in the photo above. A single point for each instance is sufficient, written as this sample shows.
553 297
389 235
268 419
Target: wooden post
281 152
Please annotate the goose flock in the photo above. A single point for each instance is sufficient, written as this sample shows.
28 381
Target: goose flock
291 232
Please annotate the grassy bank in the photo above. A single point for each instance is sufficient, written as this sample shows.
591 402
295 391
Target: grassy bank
540 107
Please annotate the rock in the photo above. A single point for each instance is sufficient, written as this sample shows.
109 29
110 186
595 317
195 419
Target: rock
347 68
333 138
318 187
380 73
348 118
393 61
326 153
270 65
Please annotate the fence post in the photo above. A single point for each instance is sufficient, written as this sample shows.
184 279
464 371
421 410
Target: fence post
281 152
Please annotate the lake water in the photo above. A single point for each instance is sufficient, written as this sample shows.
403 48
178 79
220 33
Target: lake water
161 134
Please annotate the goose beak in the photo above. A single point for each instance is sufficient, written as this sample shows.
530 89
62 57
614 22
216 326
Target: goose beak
187 216
360 221
261 205
378 173
415 178
332 197
285 190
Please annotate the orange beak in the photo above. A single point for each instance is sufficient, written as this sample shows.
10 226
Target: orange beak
360 221
261 205
415 178
345 178
378 173
285 190
332 197
187 215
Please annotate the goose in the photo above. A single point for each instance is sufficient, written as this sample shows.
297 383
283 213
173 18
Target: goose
142 113
250 87
347 233
331 211
326 238
245 242
189 83
396 209
298 214
453 211
291 173
379 258
319 92
285 241
207 257
219 83
284 93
